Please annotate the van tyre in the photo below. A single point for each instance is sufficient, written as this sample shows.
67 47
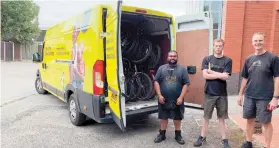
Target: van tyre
76 117
39 86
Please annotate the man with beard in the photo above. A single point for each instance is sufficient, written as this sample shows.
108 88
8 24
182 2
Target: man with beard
216 70
260 80
171 82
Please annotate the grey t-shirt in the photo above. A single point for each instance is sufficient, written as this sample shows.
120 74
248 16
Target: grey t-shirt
260 71
172 80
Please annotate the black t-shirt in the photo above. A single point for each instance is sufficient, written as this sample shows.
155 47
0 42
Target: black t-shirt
172 80
217 87
260 71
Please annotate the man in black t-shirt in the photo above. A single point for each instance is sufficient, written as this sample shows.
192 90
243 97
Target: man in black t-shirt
260 80
216 70
171 82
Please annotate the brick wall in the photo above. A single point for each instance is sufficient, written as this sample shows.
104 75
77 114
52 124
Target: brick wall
233 30
241 19
274 43
277 5
258 18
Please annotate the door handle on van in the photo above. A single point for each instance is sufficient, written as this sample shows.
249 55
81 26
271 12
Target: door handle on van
44 66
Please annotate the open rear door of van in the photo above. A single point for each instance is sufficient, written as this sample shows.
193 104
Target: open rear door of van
114 68
194 39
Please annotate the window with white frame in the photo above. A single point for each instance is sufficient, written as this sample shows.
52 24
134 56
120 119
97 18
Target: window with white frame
216 7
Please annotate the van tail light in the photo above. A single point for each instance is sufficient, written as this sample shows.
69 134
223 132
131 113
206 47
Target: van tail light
98 77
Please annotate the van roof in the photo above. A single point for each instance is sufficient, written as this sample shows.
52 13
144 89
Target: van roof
125 8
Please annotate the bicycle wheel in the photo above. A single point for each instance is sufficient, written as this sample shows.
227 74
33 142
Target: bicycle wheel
130 90
126 66
154 57
143 51
127 36
127 53
145 85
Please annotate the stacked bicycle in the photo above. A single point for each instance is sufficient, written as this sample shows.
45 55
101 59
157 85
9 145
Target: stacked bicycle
140 58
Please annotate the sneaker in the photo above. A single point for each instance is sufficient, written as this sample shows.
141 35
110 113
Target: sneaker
161 137
225 143
201 140
247 144
179 138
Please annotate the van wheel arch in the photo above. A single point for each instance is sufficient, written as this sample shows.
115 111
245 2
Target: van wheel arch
76 117
68 94
70 90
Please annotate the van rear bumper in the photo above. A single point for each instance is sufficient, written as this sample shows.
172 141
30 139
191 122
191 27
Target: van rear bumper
142 111
147 110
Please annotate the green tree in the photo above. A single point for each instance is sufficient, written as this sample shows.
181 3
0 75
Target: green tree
19 21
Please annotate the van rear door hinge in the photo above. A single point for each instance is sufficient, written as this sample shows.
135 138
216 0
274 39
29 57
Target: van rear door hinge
103 34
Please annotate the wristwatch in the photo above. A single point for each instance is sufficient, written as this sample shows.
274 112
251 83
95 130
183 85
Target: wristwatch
277 97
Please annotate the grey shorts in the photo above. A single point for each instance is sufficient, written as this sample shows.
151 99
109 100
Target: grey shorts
221 104
176 114
254 108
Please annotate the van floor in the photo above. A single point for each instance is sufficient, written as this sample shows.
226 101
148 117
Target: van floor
140 104
131 106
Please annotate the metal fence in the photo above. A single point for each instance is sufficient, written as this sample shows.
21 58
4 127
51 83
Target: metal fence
27 50
7 51
11 51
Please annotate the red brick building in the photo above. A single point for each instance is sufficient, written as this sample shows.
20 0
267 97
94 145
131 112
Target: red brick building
241 19
235 22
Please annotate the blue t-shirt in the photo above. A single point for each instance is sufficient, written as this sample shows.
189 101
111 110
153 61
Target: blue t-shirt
171 80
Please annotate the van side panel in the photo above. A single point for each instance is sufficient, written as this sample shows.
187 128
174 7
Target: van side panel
71 50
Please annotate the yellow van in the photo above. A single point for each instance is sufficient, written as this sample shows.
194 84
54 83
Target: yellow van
102 62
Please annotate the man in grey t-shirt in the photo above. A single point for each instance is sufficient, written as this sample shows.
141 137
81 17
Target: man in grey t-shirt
171 82
260 80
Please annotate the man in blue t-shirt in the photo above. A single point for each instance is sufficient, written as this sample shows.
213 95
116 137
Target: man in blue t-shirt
260 80
171 82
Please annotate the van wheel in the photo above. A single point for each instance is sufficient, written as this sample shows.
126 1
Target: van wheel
76 117
39 86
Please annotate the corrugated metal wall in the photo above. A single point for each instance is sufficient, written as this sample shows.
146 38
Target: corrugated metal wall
27 50
7 51
193 7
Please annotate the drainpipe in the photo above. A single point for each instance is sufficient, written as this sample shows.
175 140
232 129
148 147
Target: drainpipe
13 51
20 51
4 51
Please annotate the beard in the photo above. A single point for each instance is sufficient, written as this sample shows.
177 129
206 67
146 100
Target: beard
172 62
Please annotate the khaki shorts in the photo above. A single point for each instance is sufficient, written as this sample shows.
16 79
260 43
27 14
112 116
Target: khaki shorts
221 104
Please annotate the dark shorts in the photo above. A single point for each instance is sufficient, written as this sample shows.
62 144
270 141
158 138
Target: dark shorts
254 108
221 104
176 114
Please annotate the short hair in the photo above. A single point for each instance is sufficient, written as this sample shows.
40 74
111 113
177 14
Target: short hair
219 40
259 33
172 51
